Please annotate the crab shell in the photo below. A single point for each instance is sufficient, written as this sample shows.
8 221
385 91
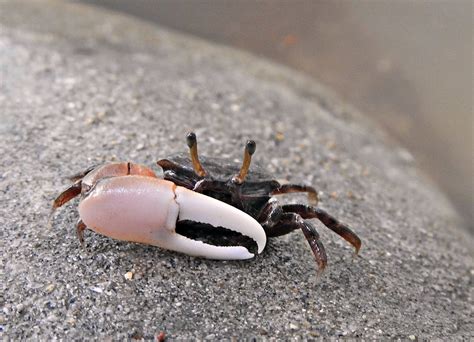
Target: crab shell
142 208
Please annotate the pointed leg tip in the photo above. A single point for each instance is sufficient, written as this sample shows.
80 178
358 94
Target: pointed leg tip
49 223
356 253
358 246
80 228
82 242
321 263
320 271
313 198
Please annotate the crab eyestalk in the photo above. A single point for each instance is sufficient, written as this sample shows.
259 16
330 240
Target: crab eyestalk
250 148
192 144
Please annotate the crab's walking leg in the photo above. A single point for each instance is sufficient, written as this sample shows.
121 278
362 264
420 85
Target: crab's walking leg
65 196
308 212
249 150
82 174
290 188
80 227
311 234
192 144
289 222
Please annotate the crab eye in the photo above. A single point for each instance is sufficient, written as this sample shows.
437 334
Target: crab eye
250 148
192 144
191 139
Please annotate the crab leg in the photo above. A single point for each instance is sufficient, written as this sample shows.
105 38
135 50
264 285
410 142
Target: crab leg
67 195
308 212
291 221
291 188
316 245
80 227
82 174
64 197
71 192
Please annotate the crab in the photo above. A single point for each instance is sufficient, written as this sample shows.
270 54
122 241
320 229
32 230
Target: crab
205 207
254 191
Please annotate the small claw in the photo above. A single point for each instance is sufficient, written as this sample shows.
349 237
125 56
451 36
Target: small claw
204 209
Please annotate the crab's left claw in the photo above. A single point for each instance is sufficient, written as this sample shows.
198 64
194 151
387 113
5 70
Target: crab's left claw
146 209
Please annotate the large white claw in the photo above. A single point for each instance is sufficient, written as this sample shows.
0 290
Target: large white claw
200 208
146 209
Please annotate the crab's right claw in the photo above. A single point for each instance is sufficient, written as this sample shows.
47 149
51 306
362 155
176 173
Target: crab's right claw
204 209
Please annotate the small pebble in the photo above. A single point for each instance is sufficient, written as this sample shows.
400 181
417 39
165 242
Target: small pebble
71 320
128 275
279 136
49 288
96 289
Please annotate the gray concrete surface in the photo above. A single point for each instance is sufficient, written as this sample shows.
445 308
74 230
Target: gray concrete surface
81 86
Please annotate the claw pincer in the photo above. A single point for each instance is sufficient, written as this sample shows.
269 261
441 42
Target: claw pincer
128 202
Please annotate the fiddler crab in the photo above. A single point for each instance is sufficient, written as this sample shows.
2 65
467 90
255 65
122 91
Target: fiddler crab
198 197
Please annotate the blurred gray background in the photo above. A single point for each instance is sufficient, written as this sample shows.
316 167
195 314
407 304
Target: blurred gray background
406 64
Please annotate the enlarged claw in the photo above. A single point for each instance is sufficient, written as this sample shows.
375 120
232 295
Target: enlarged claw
146 209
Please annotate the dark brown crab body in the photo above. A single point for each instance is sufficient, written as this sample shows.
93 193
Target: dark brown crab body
250 196
252 191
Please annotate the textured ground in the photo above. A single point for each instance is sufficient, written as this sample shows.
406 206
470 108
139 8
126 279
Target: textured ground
81 86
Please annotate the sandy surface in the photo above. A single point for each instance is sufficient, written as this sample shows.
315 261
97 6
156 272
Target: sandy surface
82 86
